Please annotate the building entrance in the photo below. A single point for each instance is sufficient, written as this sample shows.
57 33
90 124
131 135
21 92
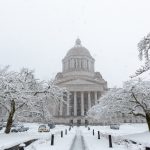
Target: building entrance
71 122
78 104
78 122
86 123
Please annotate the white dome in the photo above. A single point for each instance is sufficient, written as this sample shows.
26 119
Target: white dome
78 59
78 50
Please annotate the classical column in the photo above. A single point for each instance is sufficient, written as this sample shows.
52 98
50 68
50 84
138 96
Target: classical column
80 63
76 63
61 106
82 103
68 100
89 100
75 103
99 95
95 93
67 65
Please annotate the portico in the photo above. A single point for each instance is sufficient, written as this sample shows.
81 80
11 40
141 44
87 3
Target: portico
85 97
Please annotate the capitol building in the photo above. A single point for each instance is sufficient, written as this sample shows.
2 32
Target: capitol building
85 85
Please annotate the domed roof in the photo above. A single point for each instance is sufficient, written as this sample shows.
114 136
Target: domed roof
78 50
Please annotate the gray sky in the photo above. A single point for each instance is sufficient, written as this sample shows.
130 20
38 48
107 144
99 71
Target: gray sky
38 33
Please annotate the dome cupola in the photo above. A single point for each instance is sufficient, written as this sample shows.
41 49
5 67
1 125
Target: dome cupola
78 42
78 58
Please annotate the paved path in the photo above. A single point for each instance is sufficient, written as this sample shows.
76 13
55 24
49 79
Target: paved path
78 143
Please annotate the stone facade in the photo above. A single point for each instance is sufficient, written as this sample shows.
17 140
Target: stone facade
85 85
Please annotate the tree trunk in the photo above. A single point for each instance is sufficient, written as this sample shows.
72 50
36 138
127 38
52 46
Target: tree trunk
148 120
10 117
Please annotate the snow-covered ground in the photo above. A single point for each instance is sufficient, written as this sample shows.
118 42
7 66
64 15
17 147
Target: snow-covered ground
12 139
135 132
59 143
80 138
93 143
125 129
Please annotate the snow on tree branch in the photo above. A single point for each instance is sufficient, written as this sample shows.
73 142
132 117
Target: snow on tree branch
144 48
21 91
133 98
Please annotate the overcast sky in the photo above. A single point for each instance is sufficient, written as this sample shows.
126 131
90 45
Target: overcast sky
38 33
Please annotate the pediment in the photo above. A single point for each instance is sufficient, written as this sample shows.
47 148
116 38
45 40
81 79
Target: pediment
78 81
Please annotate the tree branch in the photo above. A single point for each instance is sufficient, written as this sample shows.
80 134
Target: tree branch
5 107
137 114
136 101
20 106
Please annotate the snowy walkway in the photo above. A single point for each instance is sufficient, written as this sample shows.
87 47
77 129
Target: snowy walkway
78 142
